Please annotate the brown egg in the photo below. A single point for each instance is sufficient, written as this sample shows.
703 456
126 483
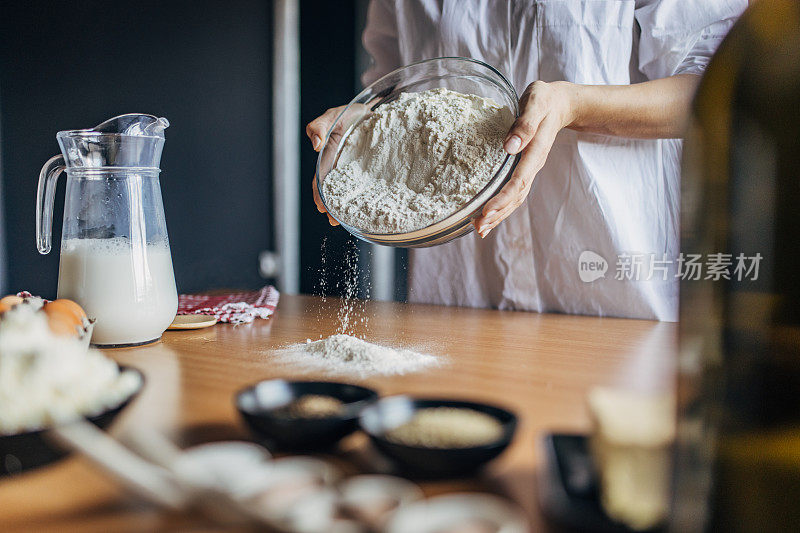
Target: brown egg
11 300
68 305
61 318
7 302
62 324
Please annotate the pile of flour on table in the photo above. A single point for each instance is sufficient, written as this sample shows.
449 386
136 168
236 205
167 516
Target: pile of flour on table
343 354
416 160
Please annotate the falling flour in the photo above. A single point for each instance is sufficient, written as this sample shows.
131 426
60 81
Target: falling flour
416 160
342 354
352 310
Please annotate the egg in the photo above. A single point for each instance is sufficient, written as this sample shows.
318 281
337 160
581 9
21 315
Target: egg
62 324
11 300
7 302
68 305
62 317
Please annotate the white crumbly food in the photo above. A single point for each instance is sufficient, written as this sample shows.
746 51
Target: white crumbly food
46 379
417 160
343 354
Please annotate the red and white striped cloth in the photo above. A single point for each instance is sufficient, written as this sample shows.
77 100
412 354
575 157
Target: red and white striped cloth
236 307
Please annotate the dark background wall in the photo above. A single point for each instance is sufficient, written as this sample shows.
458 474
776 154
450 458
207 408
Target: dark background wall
329 35
205 65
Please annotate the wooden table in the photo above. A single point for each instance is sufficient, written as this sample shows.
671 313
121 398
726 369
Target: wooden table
539 365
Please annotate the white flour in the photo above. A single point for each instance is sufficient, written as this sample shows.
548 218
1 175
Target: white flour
417 160
347 355
352 311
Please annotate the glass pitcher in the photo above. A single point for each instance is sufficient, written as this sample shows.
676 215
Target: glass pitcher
115 256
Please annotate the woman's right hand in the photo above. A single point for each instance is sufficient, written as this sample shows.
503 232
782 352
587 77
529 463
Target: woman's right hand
316 131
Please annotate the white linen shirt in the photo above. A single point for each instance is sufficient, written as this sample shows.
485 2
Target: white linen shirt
616 197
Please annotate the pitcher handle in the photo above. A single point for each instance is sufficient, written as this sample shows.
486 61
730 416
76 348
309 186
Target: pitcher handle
45 198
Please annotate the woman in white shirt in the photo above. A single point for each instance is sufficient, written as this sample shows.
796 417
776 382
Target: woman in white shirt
606 87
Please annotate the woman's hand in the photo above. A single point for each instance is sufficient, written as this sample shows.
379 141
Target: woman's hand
656 109
316 131
545 108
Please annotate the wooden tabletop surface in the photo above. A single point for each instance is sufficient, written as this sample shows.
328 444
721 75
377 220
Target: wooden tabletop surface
539 365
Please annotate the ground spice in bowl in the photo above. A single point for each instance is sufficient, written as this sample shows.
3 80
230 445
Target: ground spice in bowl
471 525
313 406
447 427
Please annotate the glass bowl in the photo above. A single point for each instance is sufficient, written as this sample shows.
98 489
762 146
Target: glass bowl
460 74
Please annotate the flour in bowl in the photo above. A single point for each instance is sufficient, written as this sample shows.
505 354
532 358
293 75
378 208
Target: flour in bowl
347 355
416 160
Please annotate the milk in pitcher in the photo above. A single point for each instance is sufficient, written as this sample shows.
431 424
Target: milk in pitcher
129 289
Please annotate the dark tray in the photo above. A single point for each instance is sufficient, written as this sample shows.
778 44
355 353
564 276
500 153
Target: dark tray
568 487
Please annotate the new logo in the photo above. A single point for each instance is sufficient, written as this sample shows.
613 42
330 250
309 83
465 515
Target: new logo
591 266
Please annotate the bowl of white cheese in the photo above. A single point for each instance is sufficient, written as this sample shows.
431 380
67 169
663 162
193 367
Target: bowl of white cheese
48 379
412 159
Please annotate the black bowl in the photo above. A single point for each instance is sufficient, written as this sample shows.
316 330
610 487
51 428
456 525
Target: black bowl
24 451
392 412
261 405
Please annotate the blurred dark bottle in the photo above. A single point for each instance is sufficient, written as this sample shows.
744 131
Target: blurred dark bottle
737 465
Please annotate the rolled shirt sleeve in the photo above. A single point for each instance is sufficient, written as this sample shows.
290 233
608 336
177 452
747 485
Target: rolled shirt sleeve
680 36
380 40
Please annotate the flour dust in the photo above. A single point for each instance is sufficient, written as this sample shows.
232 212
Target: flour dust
346 353
353 310
351 282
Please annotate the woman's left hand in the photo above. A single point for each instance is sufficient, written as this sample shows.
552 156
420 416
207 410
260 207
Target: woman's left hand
545 108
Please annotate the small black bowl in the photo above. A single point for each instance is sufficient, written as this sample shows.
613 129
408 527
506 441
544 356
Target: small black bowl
25 451
261 405
392 412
